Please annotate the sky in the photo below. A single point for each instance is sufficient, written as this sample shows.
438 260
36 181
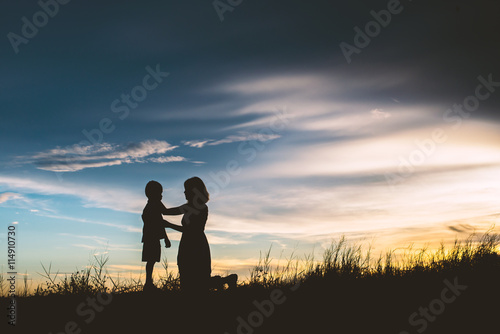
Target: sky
377 120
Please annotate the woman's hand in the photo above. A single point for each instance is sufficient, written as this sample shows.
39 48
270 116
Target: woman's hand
171 211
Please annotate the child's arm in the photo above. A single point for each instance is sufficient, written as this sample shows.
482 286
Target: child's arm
179 210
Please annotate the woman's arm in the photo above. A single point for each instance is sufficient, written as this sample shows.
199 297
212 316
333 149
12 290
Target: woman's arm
173 226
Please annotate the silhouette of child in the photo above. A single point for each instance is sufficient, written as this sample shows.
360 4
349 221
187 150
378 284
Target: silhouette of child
153 230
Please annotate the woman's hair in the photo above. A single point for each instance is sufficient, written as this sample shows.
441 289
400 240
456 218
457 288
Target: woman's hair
153 189
196 189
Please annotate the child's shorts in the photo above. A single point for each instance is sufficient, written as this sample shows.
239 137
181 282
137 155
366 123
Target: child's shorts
151 251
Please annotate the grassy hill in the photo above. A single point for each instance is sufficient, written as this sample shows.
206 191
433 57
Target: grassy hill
453 290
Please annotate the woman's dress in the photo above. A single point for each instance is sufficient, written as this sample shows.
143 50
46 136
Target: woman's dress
193 258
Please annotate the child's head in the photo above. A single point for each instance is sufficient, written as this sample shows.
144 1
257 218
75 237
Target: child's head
196 191
154 190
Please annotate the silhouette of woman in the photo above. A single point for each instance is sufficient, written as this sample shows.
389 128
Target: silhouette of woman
193 258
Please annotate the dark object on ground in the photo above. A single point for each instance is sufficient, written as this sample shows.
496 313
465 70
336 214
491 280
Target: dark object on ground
218 282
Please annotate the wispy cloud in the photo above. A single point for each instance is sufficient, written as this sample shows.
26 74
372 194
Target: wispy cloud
379 114
232 139
163 160
116 199
346 190
126 267
197 143
76 157
230 239
100 245
4 197
278 83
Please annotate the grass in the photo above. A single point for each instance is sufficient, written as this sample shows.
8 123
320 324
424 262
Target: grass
340 260
90 280
347 290
3 291
349 261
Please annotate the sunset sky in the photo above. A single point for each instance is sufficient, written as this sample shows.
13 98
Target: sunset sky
298 140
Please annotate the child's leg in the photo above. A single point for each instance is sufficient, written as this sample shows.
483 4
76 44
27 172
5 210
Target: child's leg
149 272
167 242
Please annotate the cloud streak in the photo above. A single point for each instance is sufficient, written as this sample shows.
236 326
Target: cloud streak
379 114
75 158
232 139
